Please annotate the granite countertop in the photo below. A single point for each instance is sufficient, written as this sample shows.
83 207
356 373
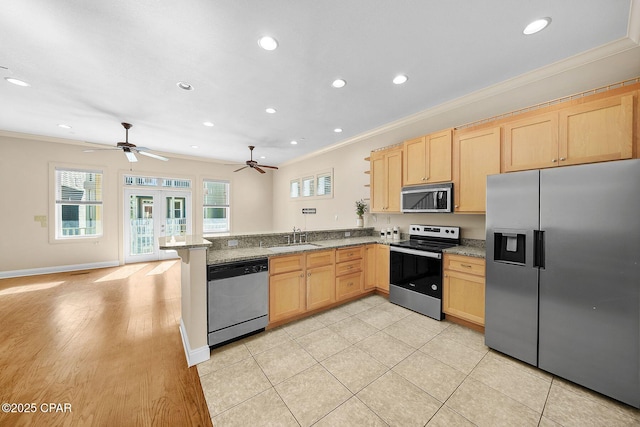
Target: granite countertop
242 254
472 251
183 242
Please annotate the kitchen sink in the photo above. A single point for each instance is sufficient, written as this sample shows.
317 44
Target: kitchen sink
293 248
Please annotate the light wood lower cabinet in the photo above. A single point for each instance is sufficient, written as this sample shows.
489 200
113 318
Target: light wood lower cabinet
320 277
382 268
369 267
463 288
349 272
287 290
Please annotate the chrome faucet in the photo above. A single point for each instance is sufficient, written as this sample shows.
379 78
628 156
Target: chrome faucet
296 230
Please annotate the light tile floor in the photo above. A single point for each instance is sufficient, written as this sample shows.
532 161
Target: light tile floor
372 363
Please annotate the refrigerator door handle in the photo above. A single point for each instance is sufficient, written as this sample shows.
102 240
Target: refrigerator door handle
538 249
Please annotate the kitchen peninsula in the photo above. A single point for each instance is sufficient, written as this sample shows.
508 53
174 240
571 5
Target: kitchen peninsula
199 252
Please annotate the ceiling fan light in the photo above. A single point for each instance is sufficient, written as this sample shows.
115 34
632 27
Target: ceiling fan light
536 26
184 86
130 156
270 110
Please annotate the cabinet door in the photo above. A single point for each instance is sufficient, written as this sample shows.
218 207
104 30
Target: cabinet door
476 154
415 161
382 267
463 296
394 179
321 290
531 143
597 131
349 285
286 295
439 157
369 267
319 258
377 180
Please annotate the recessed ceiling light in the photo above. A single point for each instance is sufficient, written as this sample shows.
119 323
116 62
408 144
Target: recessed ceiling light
63 126
294 142
337 130
270 110
338 83
194 146
209 124
537 25
400 79
184 86
262 157
268 43
17 82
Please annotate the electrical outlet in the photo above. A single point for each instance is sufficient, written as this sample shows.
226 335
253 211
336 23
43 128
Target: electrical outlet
232 243
347 234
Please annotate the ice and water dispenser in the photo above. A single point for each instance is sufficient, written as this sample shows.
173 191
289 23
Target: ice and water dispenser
509 246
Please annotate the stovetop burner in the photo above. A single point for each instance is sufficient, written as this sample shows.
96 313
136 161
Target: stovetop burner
430 238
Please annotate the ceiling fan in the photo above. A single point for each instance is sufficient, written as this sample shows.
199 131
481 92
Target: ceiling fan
254 164
130 149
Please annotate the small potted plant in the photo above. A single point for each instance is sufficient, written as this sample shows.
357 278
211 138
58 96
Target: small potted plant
361 208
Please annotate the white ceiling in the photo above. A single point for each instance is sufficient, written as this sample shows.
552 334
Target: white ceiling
94 64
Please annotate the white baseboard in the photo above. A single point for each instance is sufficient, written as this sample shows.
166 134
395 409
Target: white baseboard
56 269
194 356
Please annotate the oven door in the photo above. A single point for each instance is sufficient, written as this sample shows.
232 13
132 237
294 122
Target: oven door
416 270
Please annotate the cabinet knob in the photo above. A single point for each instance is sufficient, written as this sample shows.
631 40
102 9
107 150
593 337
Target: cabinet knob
301 274
562 159
554 160
455 206
308 274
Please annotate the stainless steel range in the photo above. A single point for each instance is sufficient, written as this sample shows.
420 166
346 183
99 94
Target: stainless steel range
416 268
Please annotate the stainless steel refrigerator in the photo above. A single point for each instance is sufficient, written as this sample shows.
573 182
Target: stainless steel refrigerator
563 273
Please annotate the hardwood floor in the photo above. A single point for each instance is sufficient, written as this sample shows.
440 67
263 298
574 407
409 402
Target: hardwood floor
106 342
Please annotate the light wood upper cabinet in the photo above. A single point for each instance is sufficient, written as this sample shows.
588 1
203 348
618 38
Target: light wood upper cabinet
427 159
530 143
476 154
386 180
597 131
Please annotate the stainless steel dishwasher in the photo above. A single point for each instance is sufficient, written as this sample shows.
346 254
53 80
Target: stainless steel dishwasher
237 299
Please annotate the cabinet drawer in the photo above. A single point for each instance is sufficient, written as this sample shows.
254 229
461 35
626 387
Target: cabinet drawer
319 258
349 285
348 267
285 264
469 265
348 254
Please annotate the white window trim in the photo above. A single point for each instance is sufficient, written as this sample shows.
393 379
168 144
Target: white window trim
203 206
52 208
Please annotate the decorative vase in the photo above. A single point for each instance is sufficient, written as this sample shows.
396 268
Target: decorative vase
360 222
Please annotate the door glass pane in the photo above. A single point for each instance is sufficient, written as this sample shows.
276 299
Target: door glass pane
141 225
176 218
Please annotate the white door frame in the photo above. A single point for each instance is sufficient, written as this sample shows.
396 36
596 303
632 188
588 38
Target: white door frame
159 225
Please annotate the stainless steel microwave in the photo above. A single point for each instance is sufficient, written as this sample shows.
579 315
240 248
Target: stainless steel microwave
428 198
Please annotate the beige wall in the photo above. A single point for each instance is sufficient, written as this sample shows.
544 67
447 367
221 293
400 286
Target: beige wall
26 175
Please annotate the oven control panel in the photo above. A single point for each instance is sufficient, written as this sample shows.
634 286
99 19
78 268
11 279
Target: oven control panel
436 231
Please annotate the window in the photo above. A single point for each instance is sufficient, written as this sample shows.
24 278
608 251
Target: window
216 206
294 188
318 185
308 186
78 203
324 184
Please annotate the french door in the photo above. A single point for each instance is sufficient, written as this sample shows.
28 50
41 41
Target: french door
150 214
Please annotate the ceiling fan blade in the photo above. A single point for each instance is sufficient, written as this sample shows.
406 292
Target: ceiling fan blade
154 156
91 150
265 166
130 156
244 167
258 169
